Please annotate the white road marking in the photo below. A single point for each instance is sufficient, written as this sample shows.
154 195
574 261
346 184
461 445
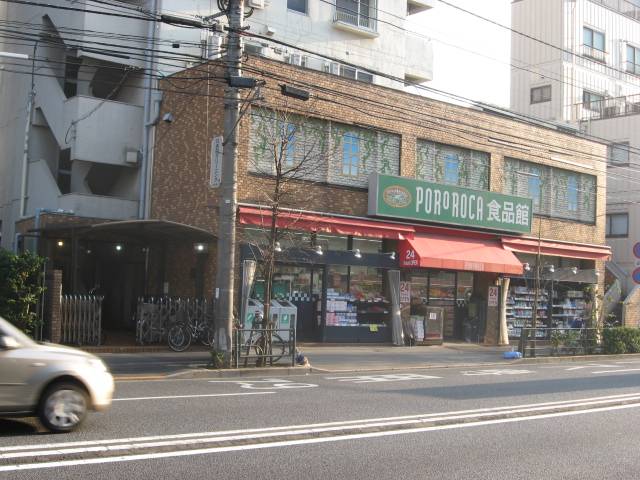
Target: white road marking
398 377
171 397
619 370
303 441
590 365
495 372
267 384
208 437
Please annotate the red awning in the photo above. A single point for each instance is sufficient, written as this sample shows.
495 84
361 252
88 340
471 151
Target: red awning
569 250
311 222
458 253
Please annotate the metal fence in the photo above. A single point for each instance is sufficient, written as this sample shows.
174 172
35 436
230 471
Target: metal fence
155 315
264 347
544 341
81 319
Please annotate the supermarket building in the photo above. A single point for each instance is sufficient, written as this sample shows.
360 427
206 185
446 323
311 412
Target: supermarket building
413 203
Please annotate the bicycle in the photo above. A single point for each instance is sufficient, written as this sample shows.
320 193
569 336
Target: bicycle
182 334
264 342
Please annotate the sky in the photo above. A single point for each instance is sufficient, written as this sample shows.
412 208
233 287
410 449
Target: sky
471 56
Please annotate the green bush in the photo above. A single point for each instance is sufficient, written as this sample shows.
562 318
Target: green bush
20 288
621 340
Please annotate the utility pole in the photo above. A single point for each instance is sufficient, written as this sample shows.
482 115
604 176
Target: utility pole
228 193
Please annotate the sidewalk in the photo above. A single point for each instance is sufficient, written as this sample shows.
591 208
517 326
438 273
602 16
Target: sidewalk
322 358
344 358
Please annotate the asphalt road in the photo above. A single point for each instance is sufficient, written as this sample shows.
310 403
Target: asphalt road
565 420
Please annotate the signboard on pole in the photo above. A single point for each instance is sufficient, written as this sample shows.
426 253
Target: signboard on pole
412 199
405 292
216 162
492 300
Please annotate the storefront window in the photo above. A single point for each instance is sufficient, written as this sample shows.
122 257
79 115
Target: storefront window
337 280
289 282
330 242
465 285
419 294
443 286
366 284
366 245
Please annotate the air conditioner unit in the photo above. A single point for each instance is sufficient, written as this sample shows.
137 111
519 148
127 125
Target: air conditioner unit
256 3
132 157
214 46
254 48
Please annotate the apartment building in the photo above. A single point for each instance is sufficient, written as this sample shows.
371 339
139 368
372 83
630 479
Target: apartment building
94 106
585 72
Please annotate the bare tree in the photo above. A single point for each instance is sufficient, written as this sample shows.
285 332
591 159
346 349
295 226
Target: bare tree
291 150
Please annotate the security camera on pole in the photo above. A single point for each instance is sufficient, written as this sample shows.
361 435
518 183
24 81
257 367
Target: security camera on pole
228 195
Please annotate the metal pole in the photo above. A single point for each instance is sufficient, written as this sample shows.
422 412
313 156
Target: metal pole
149 68
27 134
534 319
228 195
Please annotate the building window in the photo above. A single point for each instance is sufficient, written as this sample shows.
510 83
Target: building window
297 5
534 184
440 163
572 193
593 43
592 101
619 153
555 192
541 94
617 224
361 13
64 171
290 142
350 154
451 169
633 60
355 74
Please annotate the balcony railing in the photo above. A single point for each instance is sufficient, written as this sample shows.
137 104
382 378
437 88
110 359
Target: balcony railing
625 7
365 18
607 108
594 53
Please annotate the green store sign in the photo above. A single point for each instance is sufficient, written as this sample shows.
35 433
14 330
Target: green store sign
407 198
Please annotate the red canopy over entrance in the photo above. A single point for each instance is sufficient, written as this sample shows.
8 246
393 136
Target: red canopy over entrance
310 222
457 253
569 250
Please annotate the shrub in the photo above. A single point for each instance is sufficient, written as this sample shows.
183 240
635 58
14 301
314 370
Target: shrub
20 288
621 340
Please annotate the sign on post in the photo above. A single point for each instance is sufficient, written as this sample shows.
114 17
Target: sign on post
493 297
216 162
408 198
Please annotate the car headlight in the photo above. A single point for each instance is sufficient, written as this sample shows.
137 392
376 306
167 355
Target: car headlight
97 364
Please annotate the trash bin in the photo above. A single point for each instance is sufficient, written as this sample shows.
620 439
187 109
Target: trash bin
253 307
284 315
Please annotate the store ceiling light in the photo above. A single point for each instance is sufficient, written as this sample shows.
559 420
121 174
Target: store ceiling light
392 255
319 250
60 243
357 253
574 270
526 267
278 247
118 248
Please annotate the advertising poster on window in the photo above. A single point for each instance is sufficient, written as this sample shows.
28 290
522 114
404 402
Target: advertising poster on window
405 292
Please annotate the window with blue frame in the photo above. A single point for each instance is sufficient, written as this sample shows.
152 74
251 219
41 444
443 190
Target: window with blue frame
572 194
534 185
290 140
451 168
350 154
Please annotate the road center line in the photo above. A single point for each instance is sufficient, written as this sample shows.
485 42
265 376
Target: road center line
170 397
304 441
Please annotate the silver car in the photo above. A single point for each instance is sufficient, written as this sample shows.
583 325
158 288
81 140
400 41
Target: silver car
57 384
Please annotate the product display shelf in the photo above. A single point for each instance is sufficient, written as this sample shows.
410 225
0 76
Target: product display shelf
519 310
569 311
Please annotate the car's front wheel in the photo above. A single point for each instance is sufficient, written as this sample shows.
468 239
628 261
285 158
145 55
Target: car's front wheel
63 407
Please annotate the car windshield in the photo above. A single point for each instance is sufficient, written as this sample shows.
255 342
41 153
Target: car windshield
7 329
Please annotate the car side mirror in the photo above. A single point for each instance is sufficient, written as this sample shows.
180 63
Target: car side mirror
8 343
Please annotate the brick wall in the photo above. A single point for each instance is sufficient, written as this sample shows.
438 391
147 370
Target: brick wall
180 190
